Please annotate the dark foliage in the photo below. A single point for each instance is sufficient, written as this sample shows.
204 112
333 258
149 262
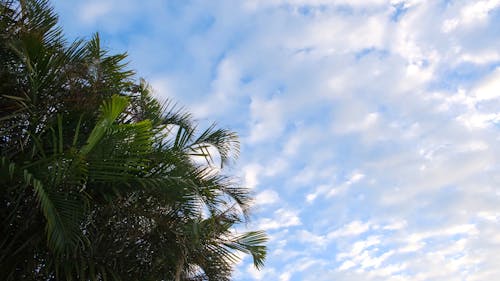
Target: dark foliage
98 180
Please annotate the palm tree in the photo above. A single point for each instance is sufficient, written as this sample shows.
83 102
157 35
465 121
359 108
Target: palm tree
98 180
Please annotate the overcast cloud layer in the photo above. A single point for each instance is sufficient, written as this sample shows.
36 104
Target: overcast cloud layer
369 128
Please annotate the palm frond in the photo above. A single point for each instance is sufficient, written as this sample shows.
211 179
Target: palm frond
103 181
110 110
62 211
224 141
250 243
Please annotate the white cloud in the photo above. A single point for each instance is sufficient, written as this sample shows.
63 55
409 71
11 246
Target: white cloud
355 177
90 12
282 218
467 229
478 11
396 225
266 197
310 197
359 247
351 229
260 274
311 238
251 175
471 14
489 89
276 166
285 276
267 119
484 57
225 89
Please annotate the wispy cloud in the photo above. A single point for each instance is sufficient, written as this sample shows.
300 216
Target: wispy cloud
369 128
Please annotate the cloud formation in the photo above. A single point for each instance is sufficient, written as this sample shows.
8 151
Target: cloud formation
369 128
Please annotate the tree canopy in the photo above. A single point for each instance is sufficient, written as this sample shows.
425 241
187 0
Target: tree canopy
98 179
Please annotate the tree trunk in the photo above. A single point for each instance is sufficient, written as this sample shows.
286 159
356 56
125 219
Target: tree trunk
178 270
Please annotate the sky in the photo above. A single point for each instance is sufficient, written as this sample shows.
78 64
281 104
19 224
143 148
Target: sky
369 128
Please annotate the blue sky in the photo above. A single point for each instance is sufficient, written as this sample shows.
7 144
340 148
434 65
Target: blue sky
369 128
